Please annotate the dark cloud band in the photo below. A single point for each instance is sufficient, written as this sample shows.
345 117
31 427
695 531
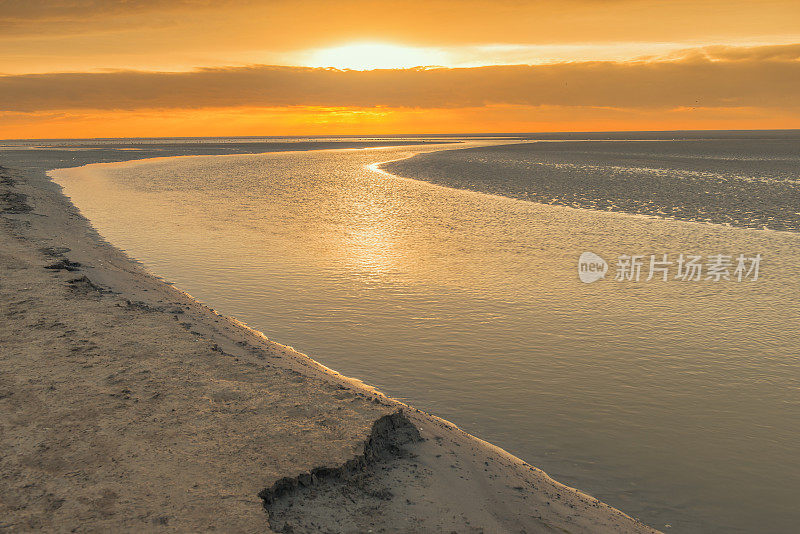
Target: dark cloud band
716 78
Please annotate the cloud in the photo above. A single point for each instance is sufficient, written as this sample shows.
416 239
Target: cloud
13 10
778 52
70 18
754 78
309 23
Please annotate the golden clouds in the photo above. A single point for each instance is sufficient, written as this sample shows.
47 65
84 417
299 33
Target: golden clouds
83 35
710 78
104 67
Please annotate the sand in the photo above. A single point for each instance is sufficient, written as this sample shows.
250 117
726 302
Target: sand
128 406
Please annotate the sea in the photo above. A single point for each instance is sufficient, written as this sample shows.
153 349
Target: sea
621 310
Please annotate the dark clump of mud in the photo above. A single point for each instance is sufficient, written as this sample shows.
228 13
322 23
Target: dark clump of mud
54 252
294 504
14 202
85 285
64 265
11 202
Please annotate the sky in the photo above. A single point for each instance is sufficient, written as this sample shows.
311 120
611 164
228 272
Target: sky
95 68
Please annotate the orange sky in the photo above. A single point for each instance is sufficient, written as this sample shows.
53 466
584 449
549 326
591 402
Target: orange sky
93 68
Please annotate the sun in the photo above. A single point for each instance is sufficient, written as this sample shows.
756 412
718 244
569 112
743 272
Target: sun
369 56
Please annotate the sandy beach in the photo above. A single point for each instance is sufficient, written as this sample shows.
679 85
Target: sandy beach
129 407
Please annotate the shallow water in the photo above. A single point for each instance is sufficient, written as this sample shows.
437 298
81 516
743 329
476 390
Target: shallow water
678 402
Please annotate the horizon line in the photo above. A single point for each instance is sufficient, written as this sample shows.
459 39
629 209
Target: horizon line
451 134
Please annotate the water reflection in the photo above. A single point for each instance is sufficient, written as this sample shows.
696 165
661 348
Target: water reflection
680 403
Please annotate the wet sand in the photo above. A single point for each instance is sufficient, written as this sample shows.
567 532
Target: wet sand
129 406
745 183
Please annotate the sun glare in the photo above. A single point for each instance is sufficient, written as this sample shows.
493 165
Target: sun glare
368 56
